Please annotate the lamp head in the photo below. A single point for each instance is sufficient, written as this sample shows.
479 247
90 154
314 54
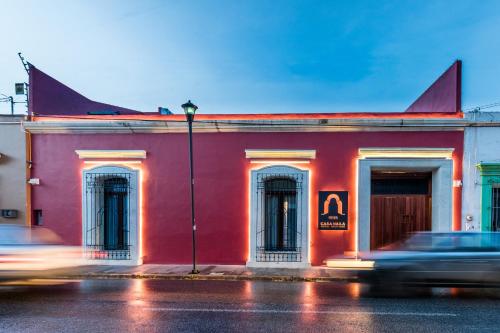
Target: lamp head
189 108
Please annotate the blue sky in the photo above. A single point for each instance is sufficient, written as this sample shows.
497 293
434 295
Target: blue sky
254 56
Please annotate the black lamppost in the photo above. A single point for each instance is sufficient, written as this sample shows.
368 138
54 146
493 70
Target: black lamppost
190 110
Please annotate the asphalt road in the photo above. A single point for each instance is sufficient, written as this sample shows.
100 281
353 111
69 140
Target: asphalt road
242 306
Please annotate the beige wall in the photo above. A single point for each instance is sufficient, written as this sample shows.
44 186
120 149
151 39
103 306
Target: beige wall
12 167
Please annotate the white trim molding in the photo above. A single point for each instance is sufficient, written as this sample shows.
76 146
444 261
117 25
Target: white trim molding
326 124
405 152
84 154
280 153
257 202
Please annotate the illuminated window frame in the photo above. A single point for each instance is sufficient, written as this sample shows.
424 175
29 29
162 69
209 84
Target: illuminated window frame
134 212
256 219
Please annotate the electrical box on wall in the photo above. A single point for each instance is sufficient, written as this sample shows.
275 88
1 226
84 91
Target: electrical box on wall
8 213
19 87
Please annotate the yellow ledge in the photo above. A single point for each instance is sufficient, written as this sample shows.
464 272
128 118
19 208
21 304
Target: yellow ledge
280 153
405 153
84 154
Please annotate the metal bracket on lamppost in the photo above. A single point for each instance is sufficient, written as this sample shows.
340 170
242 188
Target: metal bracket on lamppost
190 110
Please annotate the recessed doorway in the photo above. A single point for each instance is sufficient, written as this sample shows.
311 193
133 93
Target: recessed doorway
401 203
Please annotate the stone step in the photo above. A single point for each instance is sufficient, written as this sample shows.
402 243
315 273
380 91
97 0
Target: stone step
349 263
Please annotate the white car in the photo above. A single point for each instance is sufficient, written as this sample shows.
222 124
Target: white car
34 252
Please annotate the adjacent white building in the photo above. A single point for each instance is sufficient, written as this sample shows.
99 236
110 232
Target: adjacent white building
481 172
13 170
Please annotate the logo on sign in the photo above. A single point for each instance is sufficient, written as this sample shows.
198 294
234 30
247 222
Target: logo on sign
332 210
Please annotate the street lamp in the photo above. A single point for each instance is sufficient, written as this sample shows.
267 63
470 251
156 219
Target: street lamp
190 110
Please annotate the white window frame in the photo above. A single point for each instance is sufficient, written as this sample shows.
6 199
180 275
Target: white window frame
257 219
134 221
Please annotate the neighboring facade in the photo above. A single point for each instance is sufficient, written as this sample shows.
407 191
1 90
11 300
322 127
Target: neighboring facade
481 185
282 190
13 170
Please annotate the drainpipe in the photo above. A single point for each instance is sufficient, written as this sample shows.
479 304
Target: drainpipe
29 212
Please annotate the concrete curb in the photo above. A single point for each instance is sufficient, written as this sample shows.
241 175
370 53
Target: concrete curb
204 277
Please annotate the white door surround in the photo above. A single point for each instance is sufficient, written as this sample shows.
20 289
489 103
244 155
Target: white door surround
442 190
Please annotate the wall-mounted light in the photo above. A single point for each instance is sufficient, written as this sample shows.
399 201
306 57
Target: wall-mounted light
34 181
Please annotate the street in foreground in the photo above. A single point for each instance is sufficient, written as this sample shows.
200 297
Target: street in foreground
241 306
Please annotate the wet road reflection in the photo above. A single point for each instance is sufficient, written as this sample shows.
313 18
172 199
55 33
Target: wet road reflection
190 306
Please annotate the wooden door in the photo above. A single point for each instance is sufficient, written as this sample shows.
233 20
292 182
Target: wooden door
395 216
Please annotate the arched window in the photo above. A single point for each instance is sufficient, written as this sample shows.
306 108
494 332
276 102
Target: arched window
280 220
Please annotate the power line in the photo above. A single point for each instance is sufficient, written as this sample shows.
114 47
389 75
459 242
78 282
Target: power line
10 100
486 106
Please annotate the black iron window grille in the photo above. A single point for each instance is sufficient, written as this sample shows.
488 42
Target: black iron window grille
495 209
107 234
279 225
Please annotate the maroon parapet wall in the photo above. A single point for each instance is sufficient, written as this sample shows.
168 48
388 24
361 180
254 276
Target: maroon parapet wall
444 95
50 97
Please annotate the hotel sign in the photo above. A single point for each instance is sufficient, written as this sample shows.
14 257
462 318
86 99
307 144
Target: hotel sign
332 210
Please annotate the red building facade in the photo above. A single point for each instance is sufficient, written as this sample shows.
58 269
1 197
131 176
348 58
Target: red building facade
258 180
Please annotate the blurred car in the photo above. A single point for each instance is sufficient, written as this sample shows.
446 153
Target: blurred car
437 258
34 252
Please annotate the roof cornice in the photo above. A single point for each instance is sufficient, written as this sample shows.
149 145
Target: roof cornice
265 125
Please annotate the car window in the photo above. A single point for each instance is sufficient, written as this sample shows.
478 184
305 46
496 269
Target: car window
453 242
418 242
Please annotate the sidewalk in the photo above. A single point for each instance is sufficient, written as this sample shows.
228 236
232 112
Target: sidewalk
213 272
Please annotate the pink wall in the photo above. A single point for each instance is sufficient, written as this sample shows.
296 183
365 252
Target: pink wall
221 173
